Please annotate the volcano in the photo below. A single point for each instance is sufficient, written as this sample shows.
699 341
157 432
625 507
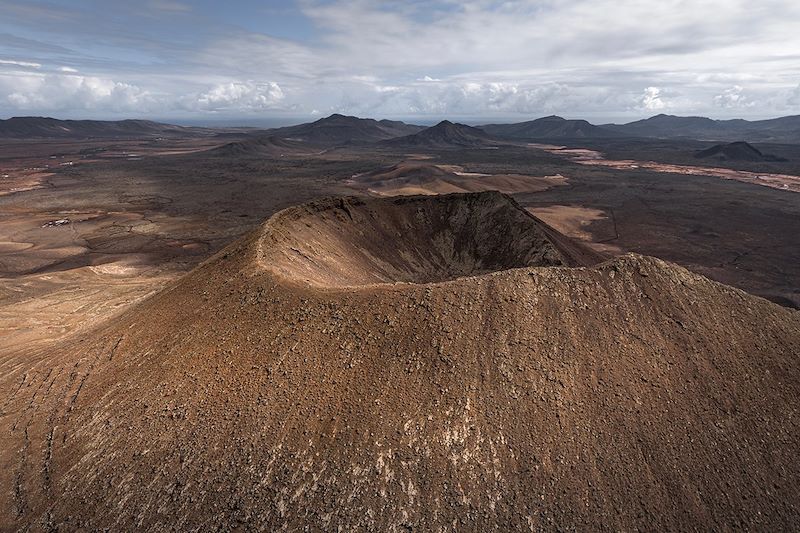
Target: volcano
410 241
445 134
342 129
738 151
415 363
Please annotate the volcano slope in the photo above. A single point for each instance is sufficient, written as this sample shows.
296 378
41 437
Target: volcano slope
419 363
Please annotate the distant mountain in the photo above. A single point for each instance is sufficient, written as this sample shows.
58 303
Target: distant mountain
737 151
779 130
552 127
265 145
44 127
339 129
445 134
668 126
783 129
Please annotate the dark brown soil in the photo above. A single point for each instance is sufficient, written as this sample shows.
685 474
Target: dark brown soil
629 395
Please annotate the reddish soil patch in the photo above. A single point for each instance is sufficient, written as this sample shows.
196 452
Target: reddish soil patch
783 182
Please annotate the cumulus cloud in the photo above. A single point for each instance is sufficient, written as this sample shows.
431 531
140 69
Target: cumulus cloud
451 98
733 98
503 97
651 99
234 95
65 91
56 92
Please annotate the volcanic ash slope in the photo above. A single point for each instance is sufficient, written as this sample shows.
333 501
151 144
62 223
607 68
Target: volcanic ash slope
427 363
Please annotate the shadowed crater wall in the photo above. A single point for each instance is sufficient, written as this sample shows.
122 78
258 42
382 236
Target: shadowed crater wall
347 242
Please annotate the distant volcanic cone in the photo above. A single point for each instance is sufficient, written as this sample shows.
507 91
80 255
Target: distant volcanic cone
415 364
738 151
445 134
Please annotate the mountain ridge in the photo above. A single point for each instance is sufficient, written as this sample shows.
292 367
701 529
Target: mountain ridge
552 127
783 129
343 129
46 127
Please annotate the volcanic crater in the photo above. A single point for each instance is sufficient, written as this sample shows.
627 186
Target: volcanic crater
352 242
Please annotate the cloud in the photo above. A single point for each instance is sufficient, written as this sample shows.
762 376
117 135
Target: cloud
67 92
651 99
63 90
502 98
519 35
472 57
8 40
25 64
733 98
794 97
450 97
238 96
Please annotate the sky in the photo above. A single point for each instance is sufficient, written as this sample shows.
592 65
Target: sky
250 62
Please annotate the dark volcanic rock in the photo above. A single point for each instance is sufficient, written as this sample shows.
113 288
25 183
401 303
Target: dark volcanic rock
737 151
552 127
778 130
445 134
341 129
44 127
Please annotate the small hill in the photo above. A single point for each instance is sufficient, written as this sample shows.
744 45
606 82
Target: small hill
552 127
341 129
445 134
737 151
424 177
413 364
261 146
44 127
